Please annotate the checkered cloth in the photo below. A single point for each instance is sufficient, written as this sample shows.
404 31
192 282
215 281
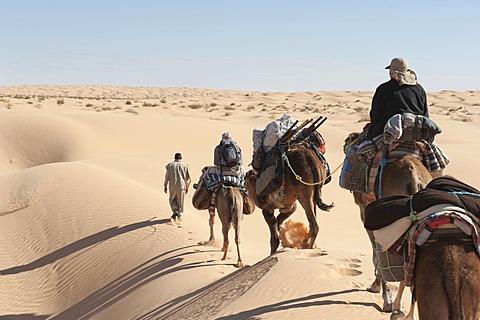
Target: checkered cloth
429 153
422 230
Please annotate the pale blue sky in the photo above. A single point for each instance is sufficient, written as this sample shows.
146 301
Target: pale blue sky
274 45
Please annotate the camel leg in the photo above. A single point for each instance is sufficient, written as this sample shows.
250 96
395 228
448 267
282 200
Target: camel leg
379 282
397 312
236 225
360 200
308 204
411 315
225 227
284 214
211 222
273 226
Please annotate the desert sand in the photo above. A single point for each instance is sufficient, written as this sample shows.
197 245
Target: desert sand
84 221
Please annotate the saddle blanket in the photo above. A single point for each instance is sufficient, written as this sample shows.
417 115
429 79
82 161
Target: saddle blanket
428 152
212 180
424 229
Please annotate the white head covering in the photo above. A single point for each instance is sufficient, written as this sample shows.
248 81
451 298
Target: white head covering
226 136
399 71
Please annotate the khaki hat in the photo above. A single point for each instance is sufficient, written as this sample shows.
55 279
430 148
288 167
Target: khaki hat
400 72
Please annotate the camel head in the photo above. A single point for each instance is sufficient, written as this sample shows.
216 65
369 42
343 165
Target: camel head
251 186
250 180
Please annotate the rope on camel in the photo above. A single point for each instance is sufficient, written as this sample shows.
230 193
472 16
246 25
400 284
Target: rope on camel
299 178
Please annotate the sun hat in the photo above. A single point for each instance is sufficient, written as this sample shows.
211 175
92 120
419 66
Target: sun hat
178 156
399 71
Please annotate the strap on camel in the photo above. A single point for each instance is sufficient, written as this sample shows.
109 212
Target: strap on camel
383 163
286 143
298 177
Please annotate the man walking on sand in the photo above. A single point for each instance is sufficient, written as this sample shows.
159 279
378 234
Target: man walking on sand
177 178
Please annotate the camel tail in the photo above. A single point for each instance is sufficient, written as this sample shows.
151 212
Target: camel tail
456 300
318 199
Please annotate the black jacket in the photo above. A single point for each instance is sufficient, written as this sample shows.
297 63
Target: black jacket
391 99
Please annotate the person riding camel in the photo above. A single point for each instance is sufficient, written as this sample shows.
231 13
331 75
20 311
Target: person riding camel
401 94
227 157
399 116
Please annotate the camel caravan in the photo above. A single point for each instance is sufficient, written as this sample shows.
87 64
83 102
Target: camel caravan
288 165
423 225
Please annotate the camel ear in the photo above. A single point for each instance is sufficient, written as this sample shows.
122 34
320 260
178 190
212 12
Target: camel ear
350 138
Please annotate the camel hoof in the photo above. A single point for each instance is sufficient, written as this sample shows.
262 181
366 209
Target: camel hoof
387 307
387 301
397 315
374 287
207 243
239 265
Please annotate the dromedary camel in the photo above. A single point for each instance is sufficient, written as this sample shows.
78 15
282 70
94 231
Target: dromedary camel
307 166
403 176
229 203
447 280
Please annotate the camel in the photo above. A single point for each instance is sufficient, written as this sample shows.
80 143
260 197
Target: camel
447 280
403 176
229 203
305 165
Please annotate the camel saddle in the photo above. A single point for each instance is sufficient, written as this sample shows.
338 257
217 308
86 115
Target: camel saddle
448 224
442 190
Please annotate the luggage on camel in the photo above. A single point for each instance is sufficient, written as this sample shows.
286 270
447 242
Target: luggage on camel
208 183
442 190
354 174
201 197
390 264
270 176
410 127
271 144
405 134
230 154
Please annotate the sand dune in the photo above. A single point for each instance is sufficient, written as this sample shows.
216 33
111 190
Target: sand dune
84 229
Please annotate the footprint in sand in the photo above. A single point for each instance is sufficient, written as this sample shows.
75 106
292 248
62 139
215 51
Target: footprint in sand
316 253
348 267
348 272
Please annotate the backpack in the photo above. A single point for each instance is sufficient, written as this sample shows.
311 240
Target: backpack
230 155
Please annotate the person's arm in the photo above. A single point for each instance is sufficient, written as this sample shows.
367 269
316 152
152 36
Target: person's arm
240 152
425 104
216 156
188 180
165 184
376 115
376 110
